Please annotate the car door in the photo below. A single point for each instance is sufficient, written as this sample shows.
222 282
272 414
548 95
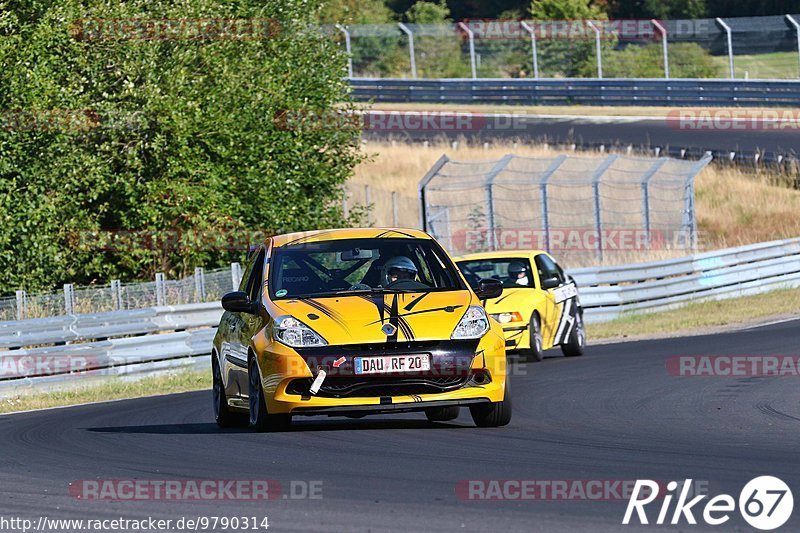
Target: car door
240 325
546 268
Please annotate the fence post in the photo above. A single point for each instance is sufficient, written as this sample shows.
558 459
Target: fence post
598 219
423 223
394 209
730 45
236 275
534 51
116 294
411 54
543 188
471 37
161 293
597 48
368 202
22 305
797 31
491 239
689 218
347 48
199 284
664 47
646 177
69 298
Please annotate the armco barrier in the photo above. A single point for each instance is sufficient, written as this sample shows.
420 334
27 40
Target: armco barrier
159 344
583 91
609 292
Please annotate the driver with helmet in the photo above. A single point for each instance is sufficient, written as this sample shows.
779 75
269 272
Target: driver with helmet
518 273
398 268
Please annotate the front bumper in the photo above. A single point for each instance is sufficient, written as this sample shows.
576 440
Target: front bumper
516 335
456 367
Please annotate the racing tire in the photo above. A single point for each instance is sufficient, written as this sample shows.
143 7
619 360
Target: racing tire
260 419
535 352
442 414
224 416
577 339
494 414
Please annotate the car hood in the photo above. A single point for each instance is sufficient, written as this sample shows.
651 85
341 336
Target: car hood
360 319
512 299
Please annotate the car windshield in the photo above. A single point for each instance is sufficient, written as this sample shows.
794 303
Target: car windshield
512 271
354 266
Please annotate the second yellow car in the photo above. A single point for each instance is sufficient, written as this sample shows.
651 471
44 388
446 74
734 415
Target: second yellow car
539 308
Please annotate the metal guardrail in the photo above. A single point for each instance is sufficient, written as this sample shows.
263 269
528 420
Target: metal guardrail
606 293
610 292
583 91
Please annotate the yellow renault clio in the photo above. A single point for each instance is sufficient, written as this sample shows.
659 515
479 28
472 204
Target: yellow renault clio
540 307
354 322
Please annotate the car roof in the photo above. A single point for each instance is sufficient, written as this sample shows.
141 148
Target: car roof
500 254
347 233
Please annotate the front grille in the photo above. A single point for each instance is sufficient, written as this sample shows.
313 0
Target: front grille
358 387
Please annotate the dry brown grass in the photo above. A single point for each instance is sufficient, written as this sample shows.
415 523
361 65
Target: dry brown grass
733 206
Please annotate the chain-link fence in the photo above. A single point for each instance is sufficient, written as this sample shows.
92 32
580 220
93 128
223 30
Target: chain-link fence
572 206
202 286
744 47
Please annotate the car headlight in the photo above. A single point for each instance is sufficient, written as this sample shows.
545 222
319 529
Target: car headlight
505 318
292 332
474 324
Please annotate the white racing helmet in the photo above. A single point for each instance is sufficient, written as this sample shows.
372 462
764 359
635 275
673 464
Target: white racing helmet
398 264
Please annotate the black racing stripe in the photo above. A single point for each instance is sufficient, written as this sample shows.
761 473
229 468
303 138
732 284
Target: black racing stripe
393 320
377 301
305 237
502 298
330 313
410 306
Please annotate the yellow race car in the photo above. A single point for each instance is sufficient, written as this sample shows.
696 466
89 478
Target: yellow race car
539 308
355 322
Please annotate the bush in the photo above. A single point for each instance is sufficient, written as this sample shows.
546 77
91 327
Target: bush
170 138
686 60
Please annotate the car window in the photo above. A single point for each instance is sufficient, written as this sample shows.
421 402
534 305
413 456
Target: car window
512 271
253 287
364 265
547 268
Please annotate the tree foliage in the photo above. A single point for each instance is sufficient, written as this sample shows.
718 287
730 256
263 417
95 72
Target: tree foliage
172 138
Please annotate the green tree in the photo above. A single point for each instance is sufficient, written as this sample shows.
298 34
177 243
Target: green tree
569 57
170 137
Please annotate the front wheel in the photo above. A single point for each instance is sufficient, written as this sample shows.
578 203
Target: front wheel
260 419
442 414
223 415
535 352
494 414
577 339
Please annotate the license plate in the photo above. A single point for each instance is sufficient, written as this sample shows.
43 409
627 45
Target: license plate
387 364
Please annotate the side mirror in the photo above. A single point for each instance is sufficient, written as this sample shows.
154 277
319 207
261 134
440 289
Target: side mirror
489 288
238 302
550 283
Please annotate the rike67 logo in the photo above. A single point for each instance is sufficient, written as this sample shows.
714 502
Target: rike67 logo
765 503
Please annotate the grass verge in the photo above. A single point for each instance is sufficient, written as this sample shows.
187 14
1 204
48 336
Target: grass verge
701 317
117 389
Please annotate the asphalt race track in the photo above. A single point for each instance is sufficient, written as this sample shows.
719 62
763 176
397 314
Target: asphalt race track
641 132
613 414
